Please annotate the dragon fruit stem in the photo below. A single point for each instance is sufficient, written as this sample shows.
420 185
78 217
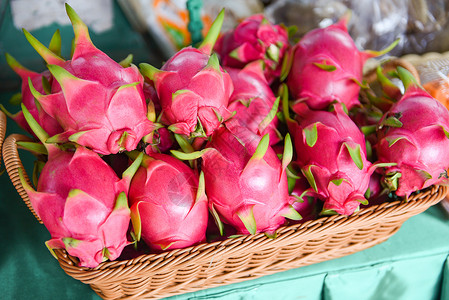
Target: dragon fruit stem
406 77
270 116
60 74
288 152
201 191
373 53
127 61
189 156
79 27
5 111
49 56
346 17
246 215
149 71
208 43
17 67
261 148
128 174
283 91
34 125
136 221
55 43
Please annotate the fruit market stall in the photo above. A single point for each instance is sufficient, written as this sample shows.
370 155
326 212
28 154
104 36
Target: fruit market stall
249 165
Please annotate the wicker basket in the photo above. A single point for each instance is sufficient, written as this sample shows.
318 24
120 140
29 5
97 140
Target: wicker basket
238 259
233 260
2 130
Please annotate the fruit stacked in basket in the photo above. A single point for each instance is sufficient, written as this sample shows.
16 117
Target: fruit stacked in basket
201 149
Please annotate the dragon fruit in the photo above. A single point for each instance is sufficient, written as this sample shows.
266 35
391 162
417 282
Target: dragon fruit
81 201
192 88
331 152
327 67
255 38
253 101
245 182
414 133
49 124
168 203
105 125
307 206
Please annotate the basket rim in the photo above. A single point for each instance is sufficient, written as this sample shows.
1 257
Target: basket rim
3 123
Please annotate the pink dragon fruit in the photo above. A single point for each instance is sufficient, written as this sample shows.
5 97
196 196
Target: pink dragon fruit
116 120
81 201
245 182
332 155
255 38
327 67
306 205
414 133
162 142
376 192
253 101
193 89
49 124
168 203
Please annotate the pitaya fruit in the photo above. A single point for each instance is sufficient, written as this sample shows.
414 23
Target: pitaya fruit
192 88
162 142
81 201
327 67
376 192
332 155
168 203
255 38
98 103
253 101
38 80
414 133
245 182
306 205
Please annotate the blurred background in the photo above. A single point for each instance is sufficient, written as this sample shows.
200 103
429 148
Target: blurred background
152 30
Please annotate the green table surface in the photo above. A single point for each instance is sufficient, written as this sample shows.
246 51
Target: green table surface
413 264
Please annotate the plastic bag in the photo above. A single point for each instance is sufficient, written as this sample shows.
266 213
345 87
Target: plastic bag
421 25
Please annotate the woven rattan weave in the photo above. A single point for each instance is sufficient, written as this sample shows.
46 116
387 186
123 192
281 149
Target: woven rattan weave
2 129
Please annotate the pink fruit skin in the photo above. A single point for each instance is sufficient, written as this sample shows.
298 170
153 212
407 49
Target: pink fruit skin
250 41
328 46
163 194
235 184
103 124
419 147
184 88
252 100
329 160
49 124
76 199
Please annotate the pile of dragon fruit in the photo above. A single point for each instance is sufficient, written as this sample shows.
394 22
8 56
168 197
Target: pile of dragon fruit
242 134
